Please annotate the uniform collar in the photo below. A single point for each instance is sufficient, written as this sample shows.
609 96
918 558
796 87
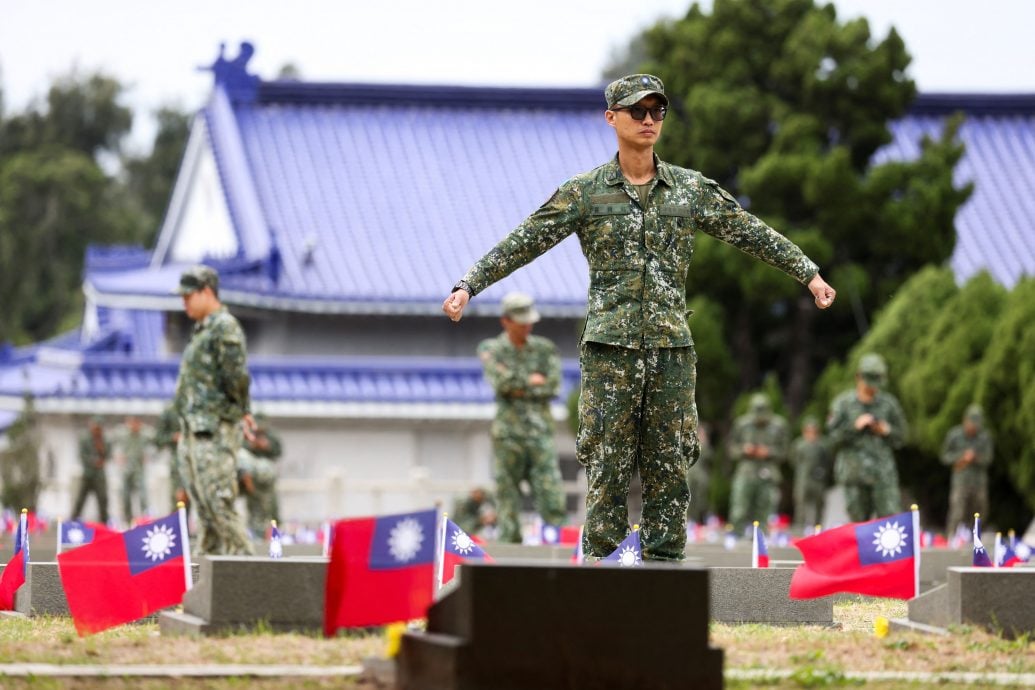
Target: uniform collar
207 321
613 172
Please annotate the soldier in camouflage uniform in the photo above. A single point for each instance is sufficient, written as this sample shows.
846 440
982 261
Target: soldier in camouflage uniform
475 513
758 444
94 453
866 425
133 441
968 449
636 218
699 474
257 471
213 404
524 371
20 462
811 462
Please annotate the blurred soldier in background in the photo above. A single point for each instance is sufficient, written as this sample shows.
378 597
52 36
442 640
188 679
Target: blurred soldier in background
811 461
20 462
257 472
134 441
758 444
968 449
94 453
167 436
524 371
699 485
476 514
214 406
866 425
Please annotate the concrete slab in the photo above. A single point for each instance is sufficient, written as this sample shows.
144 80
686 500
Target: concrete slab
759 595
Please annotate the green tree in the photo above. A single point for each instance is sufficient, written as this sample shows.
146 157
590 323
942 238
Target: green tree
1006 390
149 179
786 107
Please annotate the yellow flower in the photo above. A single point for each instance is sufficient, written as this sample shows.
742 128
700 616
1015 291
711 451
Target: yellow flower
881 627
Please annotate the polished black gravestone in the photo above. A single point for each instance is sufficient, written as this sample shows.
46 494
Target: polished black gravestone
510 627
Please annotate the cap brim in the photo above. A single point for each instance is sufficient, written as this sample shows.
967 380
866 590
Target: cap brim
873 379
531 316
181 291
639 96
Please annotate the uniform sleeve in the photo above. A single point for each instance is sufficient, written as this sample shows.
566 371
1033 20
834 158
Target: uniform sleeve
899 432
840 425
735 447
723 218
985 450
552 371
950 453
555 220
505 380
233 367
782 443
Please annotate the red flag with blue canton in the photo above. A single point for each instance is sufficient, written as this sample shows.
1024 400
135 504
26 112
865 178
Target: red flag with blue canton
1005 556
13 576
457 548
120 578
382 570
981 558
759 551
72 533
878 558
628 554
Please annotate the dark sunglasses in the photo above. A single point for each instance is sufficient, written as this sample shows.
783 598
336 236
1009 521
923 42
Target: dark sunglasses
638 112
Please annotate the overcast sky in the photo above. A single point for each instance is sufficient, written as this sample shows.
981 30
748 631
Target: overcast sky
155 48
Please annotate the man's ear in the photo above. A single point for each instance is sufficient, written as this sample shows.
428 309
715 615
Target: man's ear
609 115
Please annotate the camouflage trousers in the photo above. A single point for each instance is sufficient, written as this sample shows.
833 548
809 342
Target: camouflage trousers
965 499
262 508
532 458
133 485
754 494
809 503
637 411
94 482
208 466
698 493
866 501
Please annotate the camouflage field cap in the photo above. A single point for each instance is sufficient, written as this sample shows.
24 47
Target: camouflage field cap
974 414
759 404
872 368
519 308
633 89
196 278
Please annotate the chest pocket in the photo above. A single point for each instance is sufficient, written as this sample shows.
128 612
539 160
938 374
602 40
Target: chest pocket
677 228
611 209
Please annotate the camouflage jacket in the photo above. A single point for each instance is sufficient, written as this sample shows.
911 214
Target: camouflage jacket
213 382
638 257
864 457
773 433
134 447
521 408
811 461
89 453
957 441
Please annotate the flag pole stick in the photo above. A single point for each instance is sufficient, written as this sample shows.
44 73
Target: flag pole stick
181 510
916 549
60 525
440 548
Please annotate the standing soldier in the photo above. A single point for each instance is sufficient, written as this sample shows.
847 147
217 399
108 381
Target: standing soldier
257 468
524 370
637 218
758 444
867 425
699 477
94 453
475 513
213 404
968 449
811 463
134 440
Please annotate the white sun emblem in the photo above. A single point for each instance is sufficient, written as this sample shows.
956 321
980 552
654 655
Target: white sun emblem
159 542
889 539
628 557
462 543
405 540
75 535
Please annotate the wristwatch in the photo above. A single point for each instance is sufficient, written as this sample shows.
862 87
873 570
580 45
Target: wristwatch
461 285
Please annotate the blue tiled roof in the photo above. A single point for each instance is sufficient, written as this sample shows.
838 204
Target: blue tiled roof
103 376
996 227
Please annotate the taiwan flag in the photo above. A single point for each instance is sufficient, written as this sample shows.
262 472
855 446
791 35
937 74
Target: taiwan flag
878 558
457 548
73 533
759 552
628 554
1005 556
14 573
382 570
121 578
